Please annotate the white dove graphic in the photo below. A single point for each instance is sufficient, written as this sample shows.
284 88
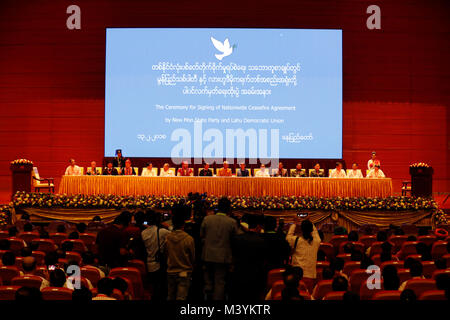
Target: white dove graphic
224 47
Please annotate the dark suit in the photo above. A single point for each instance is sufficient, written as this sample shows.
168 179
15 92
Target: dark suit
245 173
119 162
299 173
321 174
205 173
133 173
112 172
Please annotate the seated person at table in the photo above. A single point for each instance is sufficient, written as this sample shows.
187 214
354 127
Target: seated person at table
73 169
372 162
148 171
376 172
243 172
225 171
355 172
110 170
128 170
338 172
299 172
92 170
185 171
206 171
165 172
317 172
281 172
263 172
119 160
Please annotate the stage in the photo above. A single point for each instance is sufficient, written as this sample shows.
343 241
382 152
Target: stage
230 186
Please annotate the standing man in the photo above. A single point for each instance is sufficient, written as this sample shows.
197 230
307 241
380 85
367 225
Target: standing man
180 258
217 231
119 160
374 161
73 169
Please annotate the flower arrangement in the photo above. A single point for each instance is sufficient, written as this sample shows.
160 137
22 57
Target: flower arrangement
419 165
23 199
439 217
21 161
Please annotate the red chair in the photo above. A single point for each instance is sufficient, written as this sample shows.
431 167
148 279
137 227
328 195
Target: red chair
91 273
328 249
337 240
320 265
436 273
273 276
16 245
428 269
78 245
41 271
27 281
447 258
73 256
58 237
7 273
433 295
350 266
419 286
45 245
397 241
428 240
28 236
408 248
4 235
88 238
116 294
138 264
366 293
397 264
347 257
335 295
322 288
358 277
55 293
130 289
403 275
387 295
8 292
133 275
367 241
39 256
417 257
439 249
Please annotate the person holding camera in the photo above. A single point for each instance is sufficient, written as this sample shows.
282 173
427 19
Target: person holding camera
305 245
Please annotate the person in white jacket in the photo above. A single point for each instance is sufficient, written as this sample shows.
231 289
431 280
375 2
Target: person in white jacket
338 172
376 173
354 172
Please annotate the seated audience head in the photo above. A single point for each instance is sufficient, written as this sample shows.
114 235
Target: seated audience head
366 262
88 258
26 252
67 246
440 263
51 258
61 228
327 273
28 294
339 284
443 281
44 235
28 227
57 278
81 227
270 223
29 264
73 235
424 251
382 236
82 294
96 219
391 279
105 286
356 255
12 231
416 268
4 244
120 284
353 236
411 238
9 259
348 247
224 205
252 221
408 295
337 265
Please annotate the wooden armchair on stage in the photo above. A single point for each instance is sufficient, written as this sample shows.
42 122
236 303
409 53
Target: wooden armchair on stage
42 183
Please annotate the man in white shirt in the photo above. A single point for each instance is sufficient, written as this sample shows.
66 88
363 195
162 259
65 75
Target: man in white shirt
262 172
376 173
338 172
354 172
73 169
374 161
148 171
165 172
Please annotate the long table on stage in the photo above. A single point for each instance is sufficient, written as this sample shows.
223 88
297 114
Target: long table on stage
232 186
